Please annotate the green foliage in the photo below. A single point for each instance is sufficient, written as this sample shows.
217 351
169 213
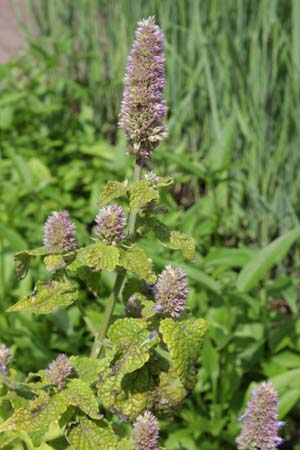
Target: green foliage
46 297
236 189
89 436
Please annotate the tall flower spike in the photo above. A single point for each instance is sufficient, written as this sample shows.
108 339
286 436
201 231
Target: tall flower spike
171 291
260 421
145 432
5 358
59 233
59 370
111 221
143 107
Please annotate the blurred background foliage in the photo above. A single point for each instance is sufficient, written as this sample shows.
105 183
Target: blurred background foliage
233 91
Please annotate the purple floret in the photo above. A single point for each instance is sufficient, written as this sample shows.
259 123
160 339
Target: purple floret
145 432
171 291
143 107
260 420
59 233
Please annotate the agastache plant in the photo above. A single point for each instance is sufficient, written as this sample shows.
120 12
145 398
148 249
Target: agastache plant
143 363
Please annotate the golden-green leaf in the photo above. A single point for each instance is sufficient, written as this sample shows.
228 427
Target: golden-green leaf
113 189
182 242
142 193
87 368
184 341
78 393
97 257
46 297
39 413
135 260
88 435
22 260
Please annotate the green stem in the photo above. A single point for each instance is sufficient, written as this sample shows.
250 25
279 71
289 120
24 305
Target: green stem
88 322
133 216
101 334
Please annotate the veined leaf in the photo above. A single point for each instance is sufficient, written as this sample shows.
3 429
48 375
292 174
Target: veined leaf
78 393
113 189
179 241
88 435
39 413
57 262
135 260
142 193
170 394
87 368
97 257
184 340
22 260
133 342
265 259
46 297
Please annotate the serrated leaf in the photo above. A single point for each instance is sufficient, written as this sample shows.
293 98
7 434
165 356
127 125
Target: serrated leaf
40 413
142 193
133 342
22 260
87 368
97 257
7 438
169 395
125 444
129 395
88 435
47 297
135 260
78 393
179 241
113 189
57 262
184 340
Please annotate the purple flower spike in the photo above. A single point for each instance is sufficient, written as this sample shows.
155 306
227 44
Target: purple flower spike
5 358
59 233
145 432
111 221
260 420
59 370
171 291
143 107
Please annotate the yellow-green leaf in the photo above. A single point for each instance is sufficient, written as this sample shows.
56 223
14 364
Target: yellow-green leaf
184 340
57 262
88 435
46 297
87 368
142 193
135 260
78 393
97 257
113 189
39 413
22 260
182 242
133 342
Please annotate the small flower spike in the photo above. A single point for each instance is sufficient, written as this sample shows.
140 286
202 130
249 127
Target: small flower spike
171 291
59 370
59 233
260 421
5 358
111 221
145 432
143 107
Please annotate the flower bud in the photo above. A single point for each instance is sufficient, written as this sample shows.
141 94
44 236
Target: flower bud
143 107
145 432
260 421
171 291
59 233
111 221
5 358
59 370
